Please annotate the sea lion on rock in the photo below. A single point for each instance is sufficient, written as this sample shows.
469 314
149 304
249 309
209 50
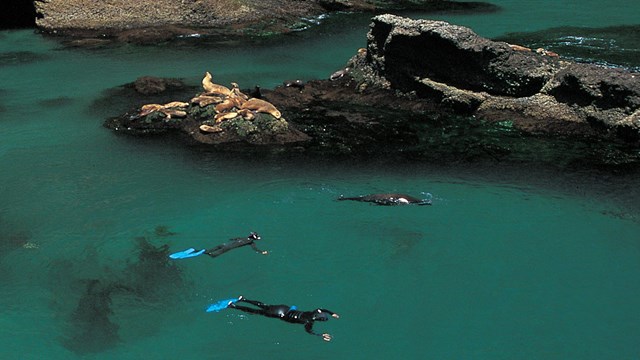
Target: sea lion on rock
247 114
205 100
389 199
225 106
148 109
546 52
259 105
168 109
170 113
519 48
211 129
225 116
237 94
214 89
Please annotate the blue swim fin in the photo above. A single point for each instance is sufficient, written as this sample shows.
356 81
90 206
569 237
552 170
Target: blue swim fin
221 304
191 252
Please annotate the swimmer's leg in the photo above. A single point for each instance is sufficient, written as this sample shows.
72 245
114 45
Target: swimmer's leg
247 309
253 302
216 251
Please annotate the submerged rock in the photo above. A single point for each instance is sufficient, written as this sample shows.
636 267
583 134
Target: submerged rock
13 58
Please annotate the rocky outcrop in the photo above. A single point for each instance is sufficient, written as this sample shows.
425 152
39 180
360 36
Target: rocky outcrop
154 21
218 115
433 91
159 20
497 81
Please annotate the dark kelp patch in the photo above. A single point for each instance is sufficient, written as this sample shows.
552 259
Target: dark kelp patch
91 325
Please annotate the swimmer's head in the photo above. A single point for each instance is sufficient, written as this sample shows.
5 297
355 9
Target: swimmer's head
319 315
254 236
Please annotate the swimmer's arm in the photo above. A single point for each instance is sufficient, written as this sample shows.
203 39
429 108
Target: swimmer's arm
255 248
309 328
330 313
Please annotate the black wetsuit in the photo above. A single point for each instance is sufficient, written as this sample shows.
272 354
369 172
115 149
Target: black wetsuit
235 243
286 313
388 199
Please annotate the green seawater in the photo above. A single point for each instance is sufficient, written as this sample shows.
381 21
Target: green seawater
508 263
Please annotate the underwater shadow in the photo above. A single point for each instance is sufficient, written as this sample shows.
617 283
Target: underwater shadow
150 279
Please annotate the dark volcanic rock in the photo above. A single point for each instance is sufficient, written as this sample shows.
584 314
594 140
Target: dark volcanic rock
584 85
403 51
261 129
433 91
150 85
144 90
538 90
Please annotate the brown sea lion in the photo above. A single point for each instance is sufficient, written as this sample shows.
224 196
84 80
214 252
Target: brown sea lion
148 109
225 116
236 93
211 129
171 113
176 104
205 100
168 111
227 105
214 89
389 199
259 105
519 48
545 52
247 114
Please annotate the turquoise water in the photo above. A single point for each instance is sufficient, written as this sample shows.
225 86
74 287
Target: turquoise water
507 263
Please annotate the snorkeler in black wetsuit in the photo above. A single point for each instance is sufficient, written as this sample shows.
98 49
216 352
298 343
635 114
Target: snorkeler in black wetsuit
235 243
389 199
222 248
288 314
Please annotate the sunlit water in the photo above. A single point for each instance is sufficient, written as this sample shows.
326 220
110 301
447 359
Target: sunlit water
505 264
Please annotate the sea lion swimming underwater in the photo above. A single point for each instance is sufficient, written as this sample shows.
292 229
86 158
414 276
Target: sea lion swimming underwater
389 199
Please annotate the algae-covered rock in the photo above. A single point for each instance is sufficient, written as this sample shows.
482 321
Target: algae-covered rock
228 116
